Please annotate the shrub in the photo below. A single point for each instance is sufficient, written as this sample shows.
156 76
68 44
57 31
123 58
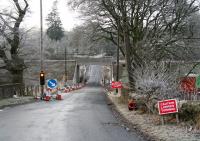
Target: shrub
154 81
140 104
190 113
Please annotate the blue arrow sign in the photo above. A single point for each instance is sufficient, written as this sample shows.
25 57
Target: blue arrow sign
52 83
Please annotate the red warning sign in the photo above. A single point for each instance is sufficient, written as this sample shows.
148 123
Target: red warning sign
116 84
167 107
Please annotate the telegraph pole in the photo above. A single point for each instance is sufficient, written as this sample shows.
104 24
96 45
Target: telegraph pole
41 47
117 75
65 64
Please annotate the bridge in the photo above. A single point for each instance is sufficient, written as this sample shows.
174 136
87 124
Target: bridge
85 59
54 68
91 60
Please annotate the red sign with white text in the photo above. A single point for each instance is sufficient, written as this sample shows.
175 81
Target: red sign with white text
116 84
167 106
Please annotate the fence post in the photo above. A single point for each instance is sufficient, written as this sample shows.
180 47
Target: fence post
26 93
3 92
31 90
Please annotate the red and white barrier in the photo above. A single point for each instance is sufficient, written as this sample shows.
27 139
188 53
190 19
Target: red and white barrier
47 98
59 97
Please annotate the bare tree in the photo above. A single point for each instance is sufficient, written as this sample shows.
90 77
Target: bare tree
150 29
10 33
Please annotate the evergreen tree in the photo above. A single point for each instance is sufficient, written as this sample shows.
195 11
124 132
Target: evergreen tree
55 30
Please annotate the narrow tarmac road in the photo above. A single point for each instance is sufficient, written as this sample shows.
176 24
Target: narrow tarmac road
82 116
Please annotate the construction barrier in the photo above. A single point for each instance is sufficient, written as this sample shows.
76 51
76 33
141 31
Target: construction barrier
58 97
47 98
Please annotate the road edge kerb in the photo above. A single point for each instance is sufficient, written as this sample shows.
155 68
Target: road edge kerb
133 127
18 104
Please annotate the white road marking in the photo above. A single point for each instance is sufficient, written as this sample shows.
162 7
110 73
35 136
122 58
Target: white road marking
1 110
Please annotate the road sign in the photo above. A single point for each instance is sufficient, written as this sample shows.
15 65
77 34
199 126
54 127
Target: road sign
167 107
52 83
198 81
116 84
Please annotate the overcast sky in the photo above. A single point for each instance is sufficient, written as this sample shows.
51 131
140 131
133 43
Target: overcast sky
69 17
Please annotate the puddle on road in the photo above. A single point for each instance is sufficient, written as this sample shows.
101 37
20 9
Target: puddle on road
1 110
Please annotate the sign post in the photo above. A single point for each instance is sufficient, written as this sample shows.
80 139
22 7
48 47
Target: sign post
168 107
52 83
118 86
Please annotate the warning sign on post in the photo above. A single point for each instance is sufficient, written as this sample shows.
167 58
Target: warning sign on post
167 107
116 84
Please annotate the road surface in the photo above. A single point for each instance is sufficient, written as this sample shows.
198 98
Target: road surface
82 116
95 74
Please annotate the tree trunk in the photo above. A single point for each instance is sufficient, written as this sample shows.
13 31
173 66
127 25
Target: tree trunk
17 77
128 61
127 45
16 67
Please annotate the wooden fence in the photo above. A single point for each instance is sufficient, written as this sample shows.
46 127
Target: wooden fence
8 90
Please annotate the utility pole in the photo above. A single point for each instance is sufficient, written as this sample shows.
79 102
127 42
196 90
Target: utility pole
65 64
41 46
117 75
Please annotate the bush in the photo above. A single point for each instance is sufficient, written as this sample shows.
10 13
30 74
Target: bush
198 121
190 113
123 99
154 81
140 104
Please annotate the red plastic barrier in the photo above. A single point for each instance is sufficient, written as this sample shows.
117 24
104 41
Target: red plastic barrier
47 98
66 90
131 106
187 84
58 97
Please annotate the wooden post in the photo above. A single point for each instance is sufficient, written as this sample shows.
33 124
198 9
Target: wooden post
27 91
162 120
31 90
177 118
119 92
3 92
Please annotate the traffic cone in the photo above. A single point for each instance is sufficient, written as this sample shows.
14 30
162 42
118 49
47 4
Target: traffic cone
66 90
37 98
58 97
131 105
47 98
